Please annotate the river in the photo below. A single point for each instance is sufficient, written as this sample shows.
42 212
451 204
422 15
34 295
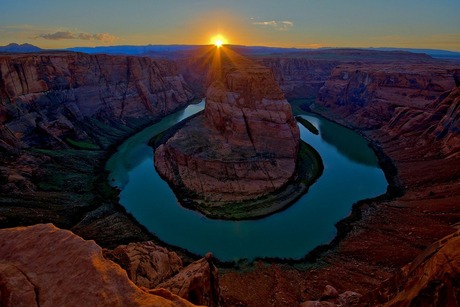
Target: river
351 173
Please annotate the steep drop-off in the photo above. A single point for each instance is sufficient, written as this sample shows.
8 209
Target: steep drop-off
50 100
59 113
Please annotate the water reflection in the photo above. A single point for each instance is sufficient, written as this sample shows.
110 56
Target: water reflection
350 173
347 142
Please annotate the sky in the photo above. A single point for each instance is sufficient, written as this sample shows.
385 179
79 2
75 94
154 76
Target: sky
284 23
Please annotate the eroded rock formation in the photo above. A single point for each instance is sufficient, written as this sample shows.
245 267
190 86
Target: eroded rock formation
46 266
408 108
147 264
51 99
370 95
245 145
154 267
300 77
198 283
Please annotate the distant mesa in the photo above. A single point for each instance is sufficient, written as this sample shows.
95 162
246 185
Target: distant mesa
240 158
16 48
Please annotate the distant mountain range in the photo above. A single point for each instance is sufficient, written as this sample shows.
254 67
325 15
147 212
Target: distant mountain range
19 48
169 51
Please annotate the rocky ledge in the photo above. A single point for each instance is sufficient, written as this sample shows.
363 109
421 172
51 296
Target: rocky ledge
237 159
46 266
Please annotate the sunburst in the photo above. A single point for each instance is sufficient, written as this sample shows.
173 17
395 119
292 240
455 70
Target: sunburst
218 40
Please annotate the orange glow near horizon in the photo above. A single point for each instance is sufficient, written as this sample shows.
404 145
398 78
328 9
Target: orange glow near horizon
218 40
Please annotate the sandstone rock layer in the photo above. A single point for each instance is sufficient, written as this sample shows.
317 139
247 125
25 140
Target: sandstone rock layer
59 113
157 268
46 266
244 147
48 98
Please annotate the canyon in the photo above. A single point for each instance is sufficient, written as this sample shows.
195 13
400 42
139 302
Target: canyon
61 113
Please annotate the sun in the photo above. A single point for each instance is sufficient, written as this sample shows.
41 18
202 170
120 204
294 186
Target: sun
218 43
218 40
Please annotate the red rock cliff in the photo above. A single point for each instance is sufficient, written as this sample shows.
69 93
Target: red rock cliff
369 95
47 98
409 110
245 146
80 104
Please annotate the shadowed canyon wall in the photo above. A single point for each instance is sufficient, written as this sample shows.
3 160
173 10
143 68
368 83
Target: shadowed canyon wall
47 99
59 113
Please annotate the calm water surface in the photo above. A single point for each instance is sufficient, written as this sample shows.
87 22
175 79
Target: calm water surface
351 173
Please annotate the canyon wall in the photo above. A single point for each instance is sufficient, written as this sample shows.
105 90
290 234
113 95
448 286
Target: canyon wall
372 94
50 100
59 113
299 77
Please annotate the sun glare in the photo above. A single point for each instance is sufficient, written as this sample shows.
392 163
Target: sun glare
218 40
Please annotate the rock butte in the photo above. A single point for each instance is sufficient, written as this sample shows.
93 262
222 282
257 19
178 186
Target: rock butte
243 147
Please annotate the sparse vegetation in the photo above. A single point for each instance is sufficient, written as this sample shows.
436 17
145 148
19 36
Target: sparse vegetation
82 144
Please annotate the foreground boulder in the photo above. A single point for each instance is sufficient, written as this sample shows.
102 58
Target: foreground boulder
198 283
152 266
46 266
147 264
244 147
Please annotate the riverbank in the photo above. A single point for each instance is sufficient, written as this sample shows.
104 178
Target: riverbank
309 168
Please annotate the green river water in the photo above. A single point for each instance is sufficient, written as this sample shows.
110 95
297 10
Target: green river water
351 173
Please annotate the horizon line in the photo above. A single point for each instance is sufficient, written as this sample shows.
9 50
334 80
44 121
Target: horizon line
235 45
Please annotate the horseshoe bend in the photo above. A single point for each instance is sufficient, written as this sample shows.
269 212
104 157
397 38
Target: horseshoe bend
63 114
240 158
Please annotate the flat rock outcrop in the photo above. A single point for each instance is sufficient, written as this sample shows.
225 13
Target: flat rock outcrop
245 146
46 266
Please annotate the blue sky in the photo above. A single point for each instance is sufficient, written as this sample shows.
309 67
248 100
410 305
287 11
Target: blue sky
288 23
